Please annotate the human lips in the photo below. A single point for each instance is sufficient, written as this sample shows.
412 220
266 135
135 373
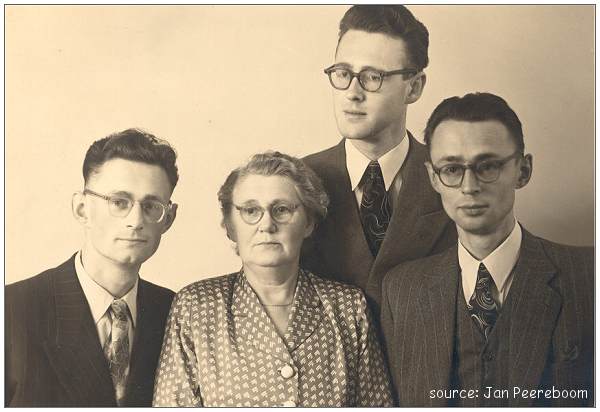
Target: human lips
473 209
132 240
354 114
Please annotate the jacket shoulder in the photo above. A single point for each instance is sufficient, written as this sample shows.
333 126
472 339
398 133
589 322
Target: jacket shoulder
36 288
324 158
207 292
412 271
335 290
575 261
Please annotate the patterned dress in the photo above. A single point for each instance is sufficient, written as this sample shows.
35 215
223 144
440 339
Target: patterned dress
222 349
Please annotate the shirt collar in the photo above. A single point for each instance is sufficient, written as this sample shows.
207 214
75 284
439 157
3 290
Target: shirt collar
390 163
499 263
98 298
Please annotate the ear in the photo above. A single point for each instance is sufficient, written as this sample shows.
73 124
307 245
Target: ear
79 208
525 171
417 84
310 227
435 183
230 231
170 217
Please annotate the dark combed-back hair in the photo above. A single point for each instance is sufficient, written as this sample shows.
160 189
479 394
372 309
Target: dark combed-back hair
476 107
308 185
135 145
394 20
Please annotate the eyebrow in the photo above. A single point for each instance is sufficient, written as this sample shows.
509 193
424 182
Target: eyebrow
349 66
479 157
256 202
129 195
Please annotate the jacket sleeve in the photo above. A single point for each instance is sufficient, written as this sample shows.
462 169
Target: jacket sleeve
176 382
374 387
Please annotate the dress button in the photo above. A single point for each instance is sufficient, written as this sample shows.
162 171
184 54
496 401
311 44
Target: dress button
289 404
287 371
487 357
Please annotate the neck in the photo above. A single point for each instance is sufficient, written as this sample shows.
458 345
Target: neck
375 147
114 278
481 245
273 285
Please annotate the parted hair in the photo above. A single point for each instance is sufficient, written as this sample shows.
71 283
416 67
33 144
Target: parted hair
307 184
476 107
132 144
394 20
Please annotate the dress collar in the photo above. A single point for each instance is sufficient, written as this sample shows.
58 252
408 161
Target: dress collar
98 298
390 162
499 263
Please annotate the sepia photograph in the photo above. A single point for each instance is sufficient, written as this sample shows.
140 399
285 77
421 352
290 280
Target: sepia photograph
299 205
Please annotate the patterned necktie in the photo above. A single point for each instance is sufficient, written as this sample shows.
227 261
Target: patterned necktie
116 347
375 208
482 306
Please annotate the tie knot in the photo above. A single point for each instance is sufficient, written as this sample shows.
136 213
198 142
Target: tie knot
119 309
373 171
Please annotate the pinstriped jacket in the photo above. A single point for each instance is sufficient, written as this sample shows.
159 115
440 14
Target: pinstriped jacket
551 339
221 348
53 355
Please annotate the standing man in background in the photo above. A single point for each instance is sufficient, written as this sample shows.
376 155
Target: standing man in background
383 210
89 332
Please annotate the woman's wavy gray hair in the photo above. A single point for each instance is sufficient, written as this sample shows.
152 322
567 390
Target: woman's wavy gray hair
306 182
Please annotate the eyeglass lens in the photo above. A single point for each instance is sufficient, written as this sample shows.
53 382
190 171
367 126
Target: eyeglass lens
280 212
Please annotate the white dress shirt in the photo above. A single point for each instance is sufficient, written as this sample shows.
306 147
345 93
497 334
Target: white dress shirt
499 263
99 300
390 163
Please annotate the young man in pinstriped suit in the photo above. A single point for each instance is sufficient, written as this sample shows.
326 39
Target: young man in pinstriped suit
503 318
89 332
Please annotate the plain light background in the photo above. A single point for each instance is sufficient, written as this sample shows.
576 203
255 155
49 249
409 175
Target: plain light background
224 82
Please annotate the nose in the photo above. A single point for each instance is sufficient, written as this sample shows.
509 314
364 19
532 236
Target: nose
355 91
470 184
267 224
135 218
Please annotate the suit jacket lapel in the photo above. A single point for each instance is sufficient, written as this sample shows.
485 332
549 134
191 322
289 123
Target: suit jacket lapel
418 218
74 347
353 253
438 309
145 344
533 309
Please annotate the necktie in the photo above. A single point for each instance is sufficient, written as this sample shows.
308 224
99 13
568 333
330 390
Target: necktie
375 208
482 306
116 347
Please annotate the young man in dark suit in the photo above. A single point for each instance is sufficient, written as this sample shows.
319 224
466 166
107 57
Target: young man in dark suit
89 332
383 210
503 318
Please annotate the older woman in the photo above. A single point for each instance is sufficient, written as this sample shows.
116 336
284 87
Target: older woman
271 334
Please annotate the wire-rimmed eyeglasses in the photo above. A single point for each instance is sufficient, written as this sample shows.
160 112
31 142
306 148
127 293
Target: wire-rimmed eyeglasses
281 212
120 206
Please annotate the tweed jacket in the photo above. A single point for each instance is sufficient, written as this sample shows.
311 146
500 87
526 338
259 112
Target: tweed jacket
221 348
550 307
338 248
53 355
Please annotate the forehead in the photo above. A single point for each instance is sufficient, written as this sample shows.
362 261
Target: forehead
264 189
137 178
469 140
362 49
